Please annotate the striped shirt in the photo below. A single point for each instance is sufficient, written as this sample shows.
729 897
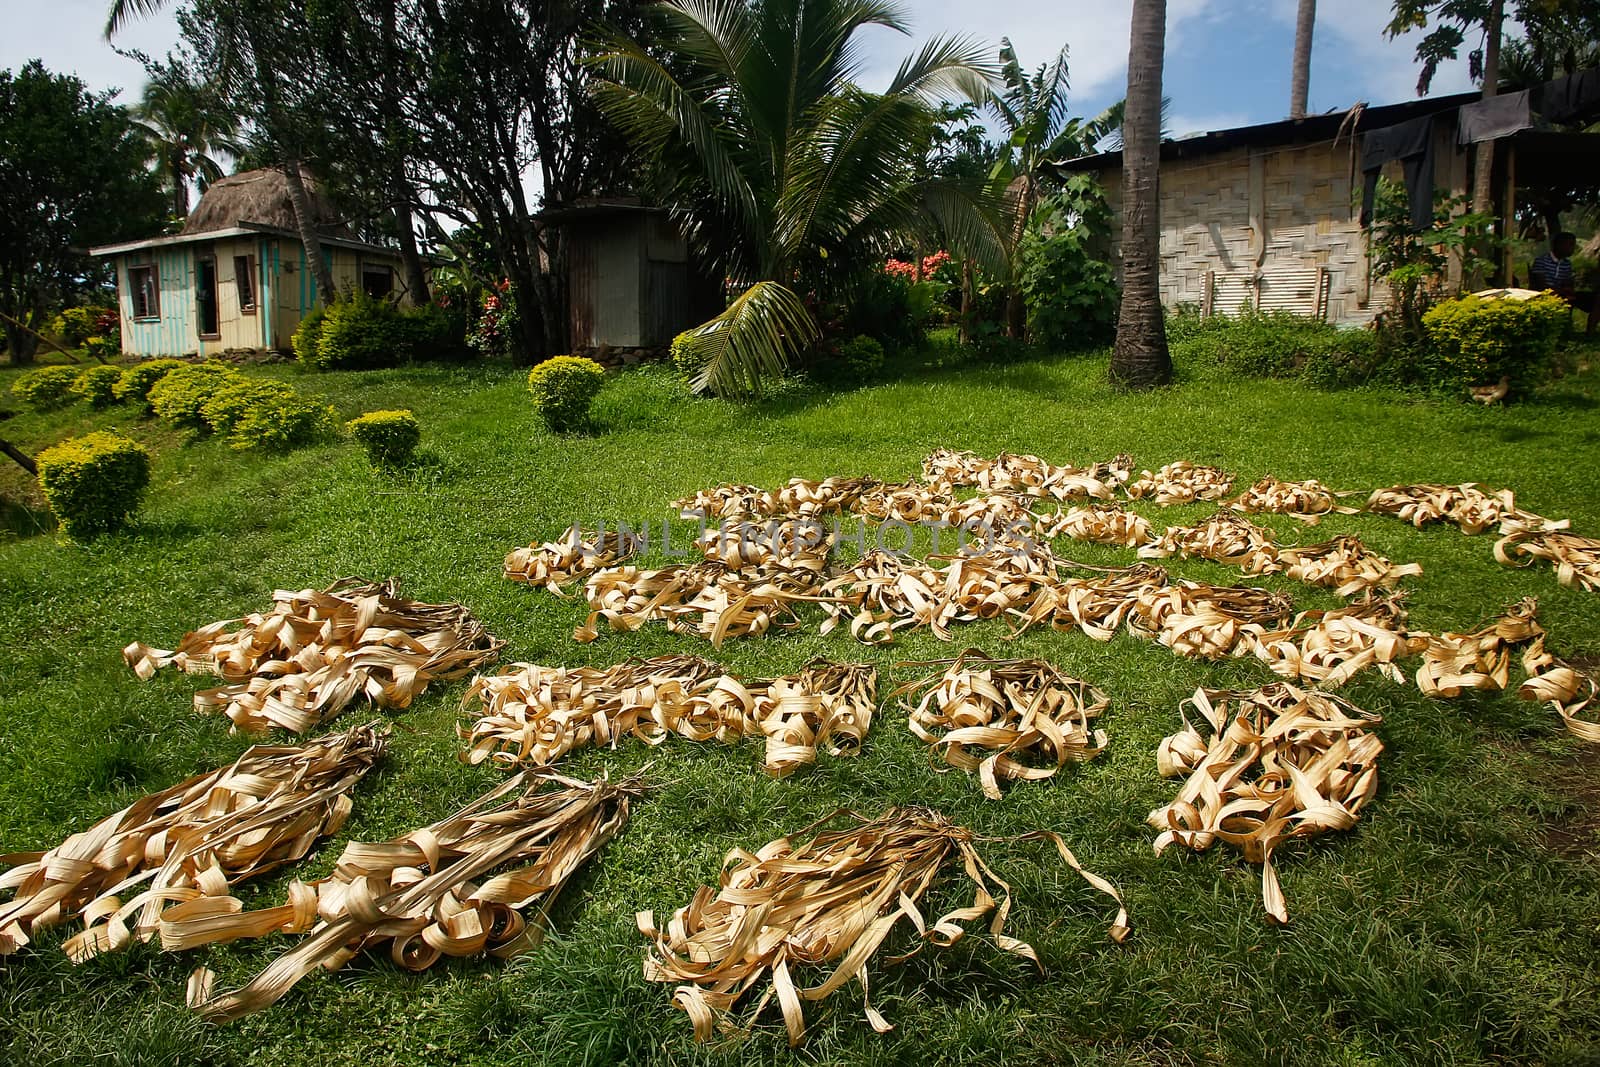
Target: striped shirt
1551 273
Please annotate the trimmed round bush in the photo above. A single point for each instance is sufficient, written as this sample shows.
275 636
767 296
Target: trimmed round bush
360 333
138 379
862 357
280 422
180 397
307 336
45 388
98 385
94 482
1478 340
390 437
226 407
563 387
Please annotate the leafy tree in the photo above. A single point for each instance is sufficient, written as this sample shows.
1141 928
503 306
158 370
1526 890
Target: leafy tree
188 126
1447 26
1140 359
789 174
73 173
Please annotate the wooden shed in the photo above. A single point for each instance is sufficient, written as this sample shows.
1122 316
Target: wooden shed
236 276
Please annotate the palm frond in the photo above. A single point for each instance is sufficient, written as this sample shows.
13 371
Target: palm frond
125 11
752 340
946 65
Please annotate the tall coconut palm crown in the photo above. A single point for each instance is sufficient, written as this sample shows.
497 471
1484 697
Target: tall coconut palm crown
781 168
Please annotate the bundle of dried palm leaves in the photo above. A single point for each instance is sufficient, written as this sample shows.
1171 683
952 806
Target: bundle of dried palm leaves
1182 482
949 467
835 897
1036 477
1281 763
1223 538
578 554
1455 662
1101 524
906 502
728 502
1307 501
1008 720
999 580
314 653
745 605
826 706
989 512
532 716
186 845
628 597
1569 691
1331 647
420 895
797 548
1576 559
831 496
1344 563
1098 606
1468 506
884 593
1202 621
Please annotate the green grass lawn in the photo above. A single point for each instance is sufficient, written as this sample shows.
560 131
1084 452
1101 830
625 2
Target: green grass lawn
1458 923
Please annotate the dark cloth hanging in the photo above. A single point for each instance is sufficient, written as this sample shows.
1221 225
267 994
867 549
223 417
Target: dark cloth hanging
1575 98
1412 144
1494 118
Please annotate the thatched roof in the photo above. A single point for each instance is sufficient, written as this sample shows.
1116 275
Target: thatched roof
261 197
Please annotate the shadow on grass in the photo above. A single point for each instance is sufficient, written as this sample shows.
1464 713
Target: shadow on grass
21 519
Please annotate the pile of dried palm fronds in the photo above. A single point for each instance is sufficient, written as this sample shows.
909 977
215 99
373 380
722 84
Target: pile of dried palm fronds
728 502
835 897
827 706
530 715
1281 763
1182 482
180 849
1202 621
578 554
795 550
949 467
314 653
1470 507
802 498
420 895
1101 524
1223 538
628 597
1344 563
883 593
1576 559
1097 606
1008 720
906 502
1308 500
1331 647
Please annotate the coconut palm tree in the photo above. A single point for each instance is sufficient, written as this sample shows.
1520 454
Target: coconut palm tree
1300 88
1140 359
188 127
780 167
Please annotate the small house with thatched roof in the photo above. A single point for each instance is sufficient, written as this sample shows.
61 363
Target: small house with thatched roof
235 278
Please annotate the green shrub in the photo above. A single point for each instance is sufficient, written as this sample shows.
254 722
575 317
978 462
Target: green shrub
1066 277
76 325
1276 345
683 358
431 332
226 407
98 385
307 336
280 421
104 349
1478 341
181 395
45 388
861 357
138 379
94 482
563 387
390 437
361 333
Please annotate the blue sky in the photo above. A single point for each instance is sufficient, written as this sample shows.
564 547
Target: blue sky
1227 60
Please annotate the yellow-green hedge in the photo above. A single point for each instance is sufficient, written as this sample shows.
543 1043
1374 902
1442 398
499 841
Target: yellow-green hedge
563 387
95 482
390 437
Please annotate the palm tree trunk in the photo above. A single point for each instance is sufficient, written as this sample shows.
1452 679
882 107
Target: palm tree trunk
1300 90
24 460
306 224
1140 359
1483 169
180 192
404 195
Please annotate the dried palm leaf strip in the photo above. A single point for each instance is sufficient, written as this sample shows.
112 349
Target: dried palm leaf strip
1331 647
728 502
1455 662
1223 538
1182 482
834 898
576 555
1281 763
1470 507
1569 691
884 593
315 653
831 496
1006 720
1344 563
1200 621
420 895
826 706
1098 606
187 843
1307 501
629 597
1101 524
1575 559
794 548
